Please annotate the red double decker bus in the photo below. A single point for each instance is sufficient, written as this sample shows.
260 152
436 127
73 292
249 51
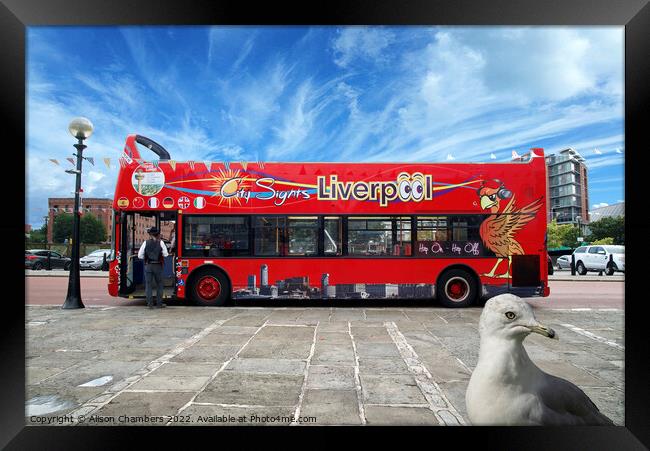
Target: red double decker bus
457 232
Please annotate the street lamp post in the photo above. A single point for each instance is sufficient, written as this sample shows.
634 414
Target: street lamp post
81 128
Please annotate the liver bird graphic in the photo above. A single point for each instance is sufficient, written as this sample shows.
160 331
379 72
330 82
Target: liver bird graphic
498 231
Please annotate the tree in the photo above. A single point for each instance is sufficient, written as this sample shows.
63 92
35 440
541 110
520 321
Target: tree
562 235
38 235
604 241
91 229
608 227
62 227
554 239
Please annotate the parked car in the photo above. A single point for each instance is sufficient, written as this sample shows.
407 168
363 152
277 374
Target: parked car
95 259
563 262
597 258
37 259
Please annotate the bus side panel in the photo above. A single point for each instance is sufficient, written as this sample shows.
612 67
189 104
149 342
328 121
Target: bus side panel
310 277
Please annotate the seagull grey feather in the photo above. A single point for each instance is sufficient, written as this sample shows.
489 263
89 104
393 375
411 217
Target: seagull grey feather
507 388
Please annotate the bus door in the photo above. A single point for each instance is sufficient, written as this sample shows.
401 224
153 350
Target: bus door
134 233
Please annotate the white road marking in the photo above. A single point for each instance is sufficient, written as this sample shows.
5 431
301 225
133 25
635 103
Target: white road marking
593 336
296 413
357 379
441 407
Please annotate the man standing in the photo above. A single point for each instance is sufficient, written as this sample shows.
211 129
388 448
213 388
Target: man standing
153 251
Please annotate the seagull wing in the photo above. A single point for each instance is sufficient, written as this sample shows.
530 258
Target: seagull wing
563 403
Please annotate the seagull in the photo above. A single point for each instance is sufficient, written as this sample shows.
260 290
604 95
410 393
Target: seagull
597 152
507 388
493 157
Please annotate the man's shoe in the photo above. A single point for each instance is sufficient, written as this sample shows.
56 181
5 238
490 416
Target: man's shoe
161 305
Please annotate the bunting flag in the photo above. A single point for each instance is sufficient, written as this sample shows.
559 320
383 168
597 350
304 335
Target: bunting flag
515 155
71 160
191 163
172 163
226 164
208 165
107 161
122 162
54 161
139 160
156 163
450 157
244 165
260 164
91 160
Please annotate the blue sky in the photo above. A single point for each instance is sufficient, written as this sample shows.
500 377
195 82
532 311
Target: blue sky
323 94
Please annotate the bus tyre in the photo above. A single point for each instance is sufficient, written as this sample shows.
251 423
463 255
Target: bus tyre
580 268
210 287
457 288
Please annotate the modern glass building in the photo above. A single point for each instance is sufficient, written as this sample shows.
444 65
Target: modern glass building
568 196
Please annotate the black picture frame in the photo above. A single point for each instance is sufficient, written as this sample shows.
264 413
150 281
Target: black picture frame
16 15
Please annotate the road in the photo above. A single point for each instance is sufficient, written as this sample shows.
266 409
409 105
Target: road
564 294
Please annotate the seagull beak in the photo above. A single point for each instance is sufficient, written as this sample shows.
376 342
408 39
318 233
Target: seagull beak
543 330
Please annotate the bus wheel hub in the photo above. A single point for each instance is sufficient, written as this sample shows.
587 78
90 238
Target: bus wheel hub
209 287
457 289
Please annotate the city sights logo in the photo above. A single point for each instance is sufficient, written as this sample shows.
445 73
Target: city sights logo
414 187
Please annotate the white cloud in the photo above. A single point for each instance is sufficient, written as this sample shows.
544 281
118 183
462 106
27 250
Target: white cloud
361 43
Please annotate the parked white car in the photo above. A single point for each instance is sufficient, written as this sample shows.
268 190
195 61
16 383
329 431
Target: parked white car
563 262
95 259
597 258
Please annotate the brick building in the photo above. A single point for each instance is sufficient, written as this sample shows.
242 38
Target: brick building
101 208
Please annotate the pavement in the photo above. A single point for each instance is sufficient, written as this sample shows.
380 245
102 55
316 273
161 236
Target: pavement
125 365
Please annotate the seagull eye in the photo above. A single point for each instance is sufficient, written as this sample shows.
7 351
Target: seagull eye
510 315
492 196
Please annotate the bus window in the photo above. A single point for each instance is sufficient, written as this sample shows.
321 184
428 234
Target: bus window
302 235
215 236
332 233
370 236
466 228
269 231
403 237
433 229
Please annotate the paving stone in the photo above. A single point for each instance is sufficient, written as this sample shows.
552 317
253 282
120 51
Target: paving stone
333 354
247 320
223 339
334 326
377 350
186 369
172 383
203 354
235 330
231 387
382 365
610 402
331 407
36 374
331 377
333 337
391 389
569 372
399 416
277 349
267 366
156 407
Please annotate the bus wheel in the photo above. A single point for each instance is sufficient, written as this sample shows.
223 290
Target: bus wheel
210 287
456 288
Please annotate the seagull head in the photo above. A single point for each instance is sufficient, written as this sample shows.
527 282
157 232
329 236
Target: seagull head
507 316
